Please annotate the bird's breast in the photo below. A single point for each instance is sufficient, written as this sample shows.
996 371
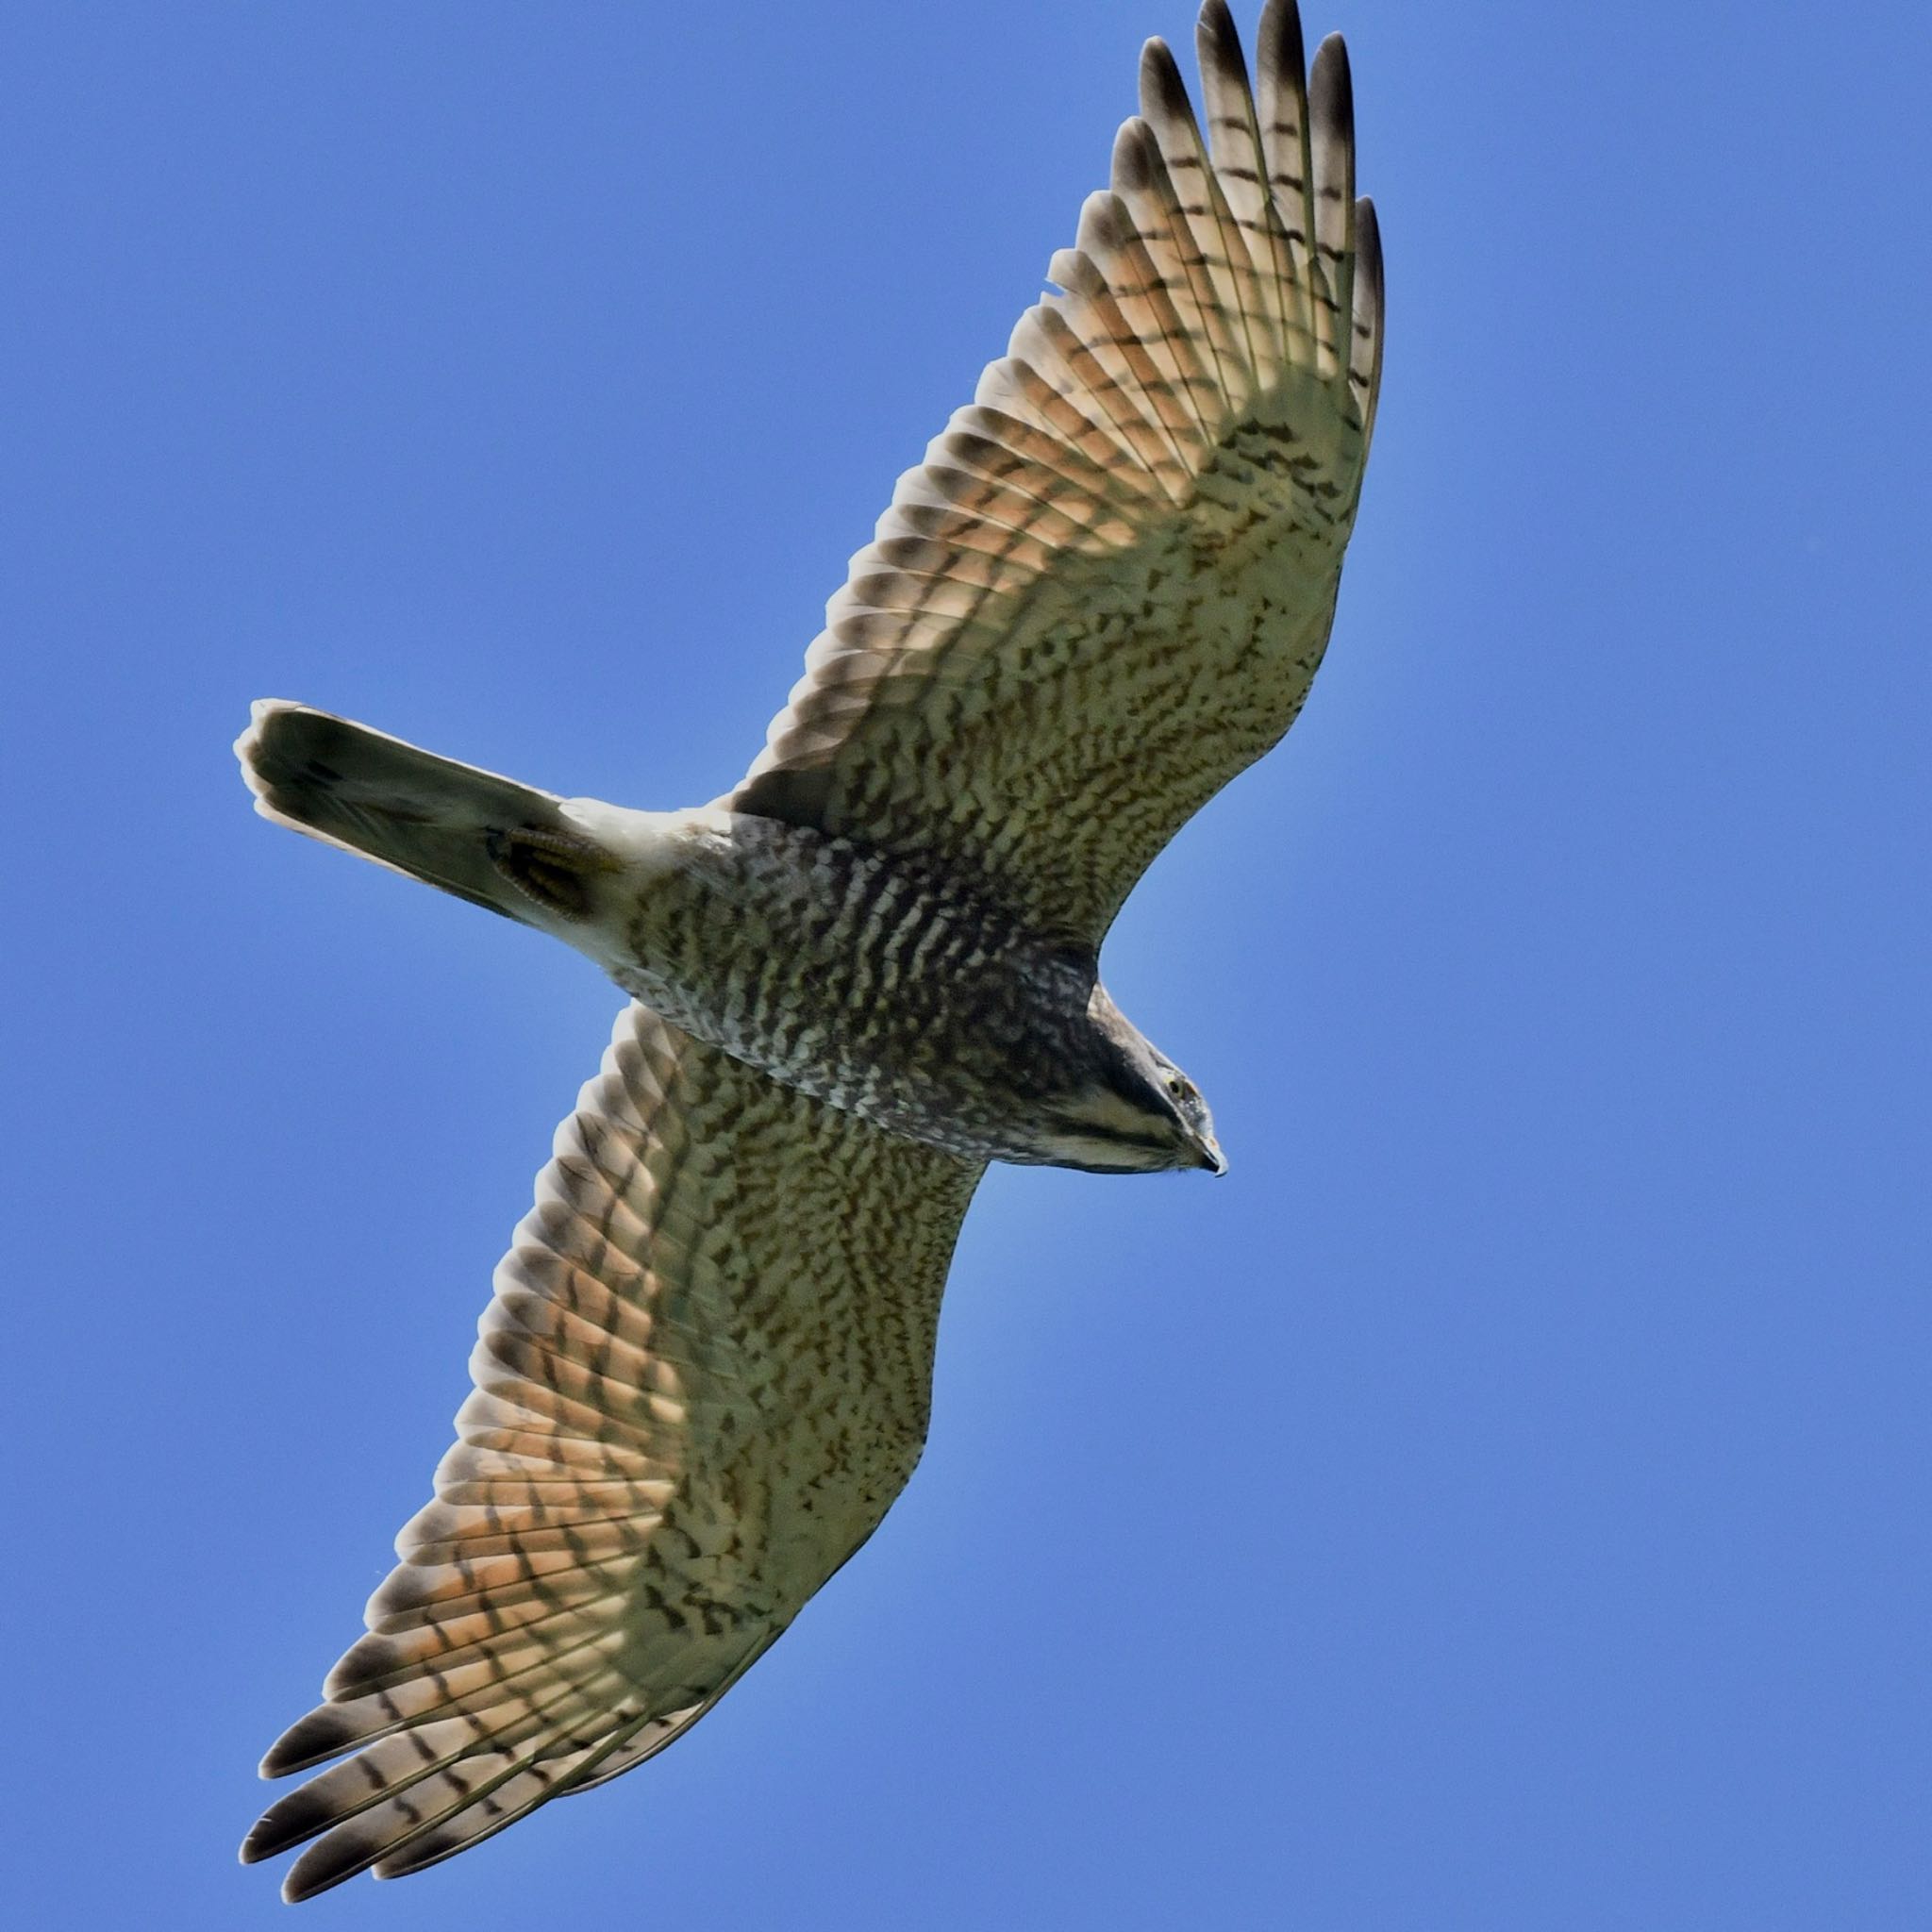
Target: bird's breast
883 986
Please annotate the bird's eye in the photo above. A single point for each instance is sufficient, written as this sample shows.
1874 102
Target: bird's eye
1176 1085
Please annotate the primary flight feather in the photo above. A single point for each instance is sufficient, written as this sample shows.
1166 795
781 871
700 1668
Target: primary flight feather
858 977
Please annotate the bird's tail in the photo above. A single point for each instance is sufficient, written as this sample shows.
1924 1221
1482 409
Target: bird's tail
488 839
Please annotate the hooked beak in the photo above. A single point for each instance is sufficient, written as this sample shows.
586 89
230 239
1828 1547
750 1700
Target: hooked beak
1211 1157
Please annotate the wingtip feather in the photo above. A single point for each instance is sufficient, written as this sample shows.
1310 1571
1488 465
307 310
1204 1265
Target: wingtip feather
1163 92
1331 87
326 1732
1279 49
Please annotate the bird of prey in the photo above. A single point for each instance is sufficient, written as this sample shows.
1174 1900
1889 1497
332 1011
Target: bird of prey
857 977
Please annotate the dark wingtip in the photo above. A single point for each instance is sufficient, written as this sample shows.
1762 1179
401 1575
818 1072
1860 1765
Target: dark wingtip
1163 92
1331 90
326 1732
364 1665
407 1589
349 1848
1215 19
1217 42
1136 157
1368 246
286 1822
1279 44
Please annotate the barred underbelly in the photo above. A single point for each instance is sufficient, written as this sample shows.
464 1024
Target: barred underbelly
861 980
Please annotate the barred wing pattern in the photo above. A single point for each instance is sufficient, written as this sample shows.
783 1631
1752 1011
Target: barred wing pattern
703 1378
1108 587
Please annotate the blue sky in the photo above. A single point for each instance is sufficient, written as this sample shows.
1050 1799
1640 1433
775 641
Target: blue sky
1501 1503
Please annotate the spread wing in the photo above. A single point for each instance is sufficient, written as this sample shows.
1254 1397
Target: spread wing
703 1378
1108 587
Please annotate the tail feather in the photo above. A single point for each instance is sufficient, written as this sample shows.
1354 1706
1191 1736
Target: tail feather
486 838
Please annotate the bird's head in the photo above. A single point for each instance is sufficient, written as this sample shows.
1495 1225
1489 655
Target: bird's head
1136 1112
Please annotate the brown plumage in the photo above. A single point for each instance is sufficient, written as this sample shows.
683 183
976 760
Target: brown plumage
861 974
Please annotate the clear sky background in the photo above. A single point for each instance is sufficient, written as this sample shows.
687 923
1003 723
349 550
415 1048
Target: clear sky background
1503 1502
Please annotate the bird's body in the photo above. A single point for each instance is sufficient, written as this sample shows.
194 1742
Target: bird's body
864 973
884 987
866 980
881 985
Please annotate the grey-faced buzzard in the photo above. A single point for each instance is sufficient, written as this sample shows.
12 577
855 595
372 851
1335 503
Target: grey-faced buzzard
864 973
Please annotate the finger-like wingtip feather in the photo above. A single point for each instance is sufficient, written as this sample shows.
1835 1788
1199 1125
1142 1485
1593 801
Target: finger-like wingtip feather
1278 45
1331 90
1331 146
1366 362
324 1733
1163 92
